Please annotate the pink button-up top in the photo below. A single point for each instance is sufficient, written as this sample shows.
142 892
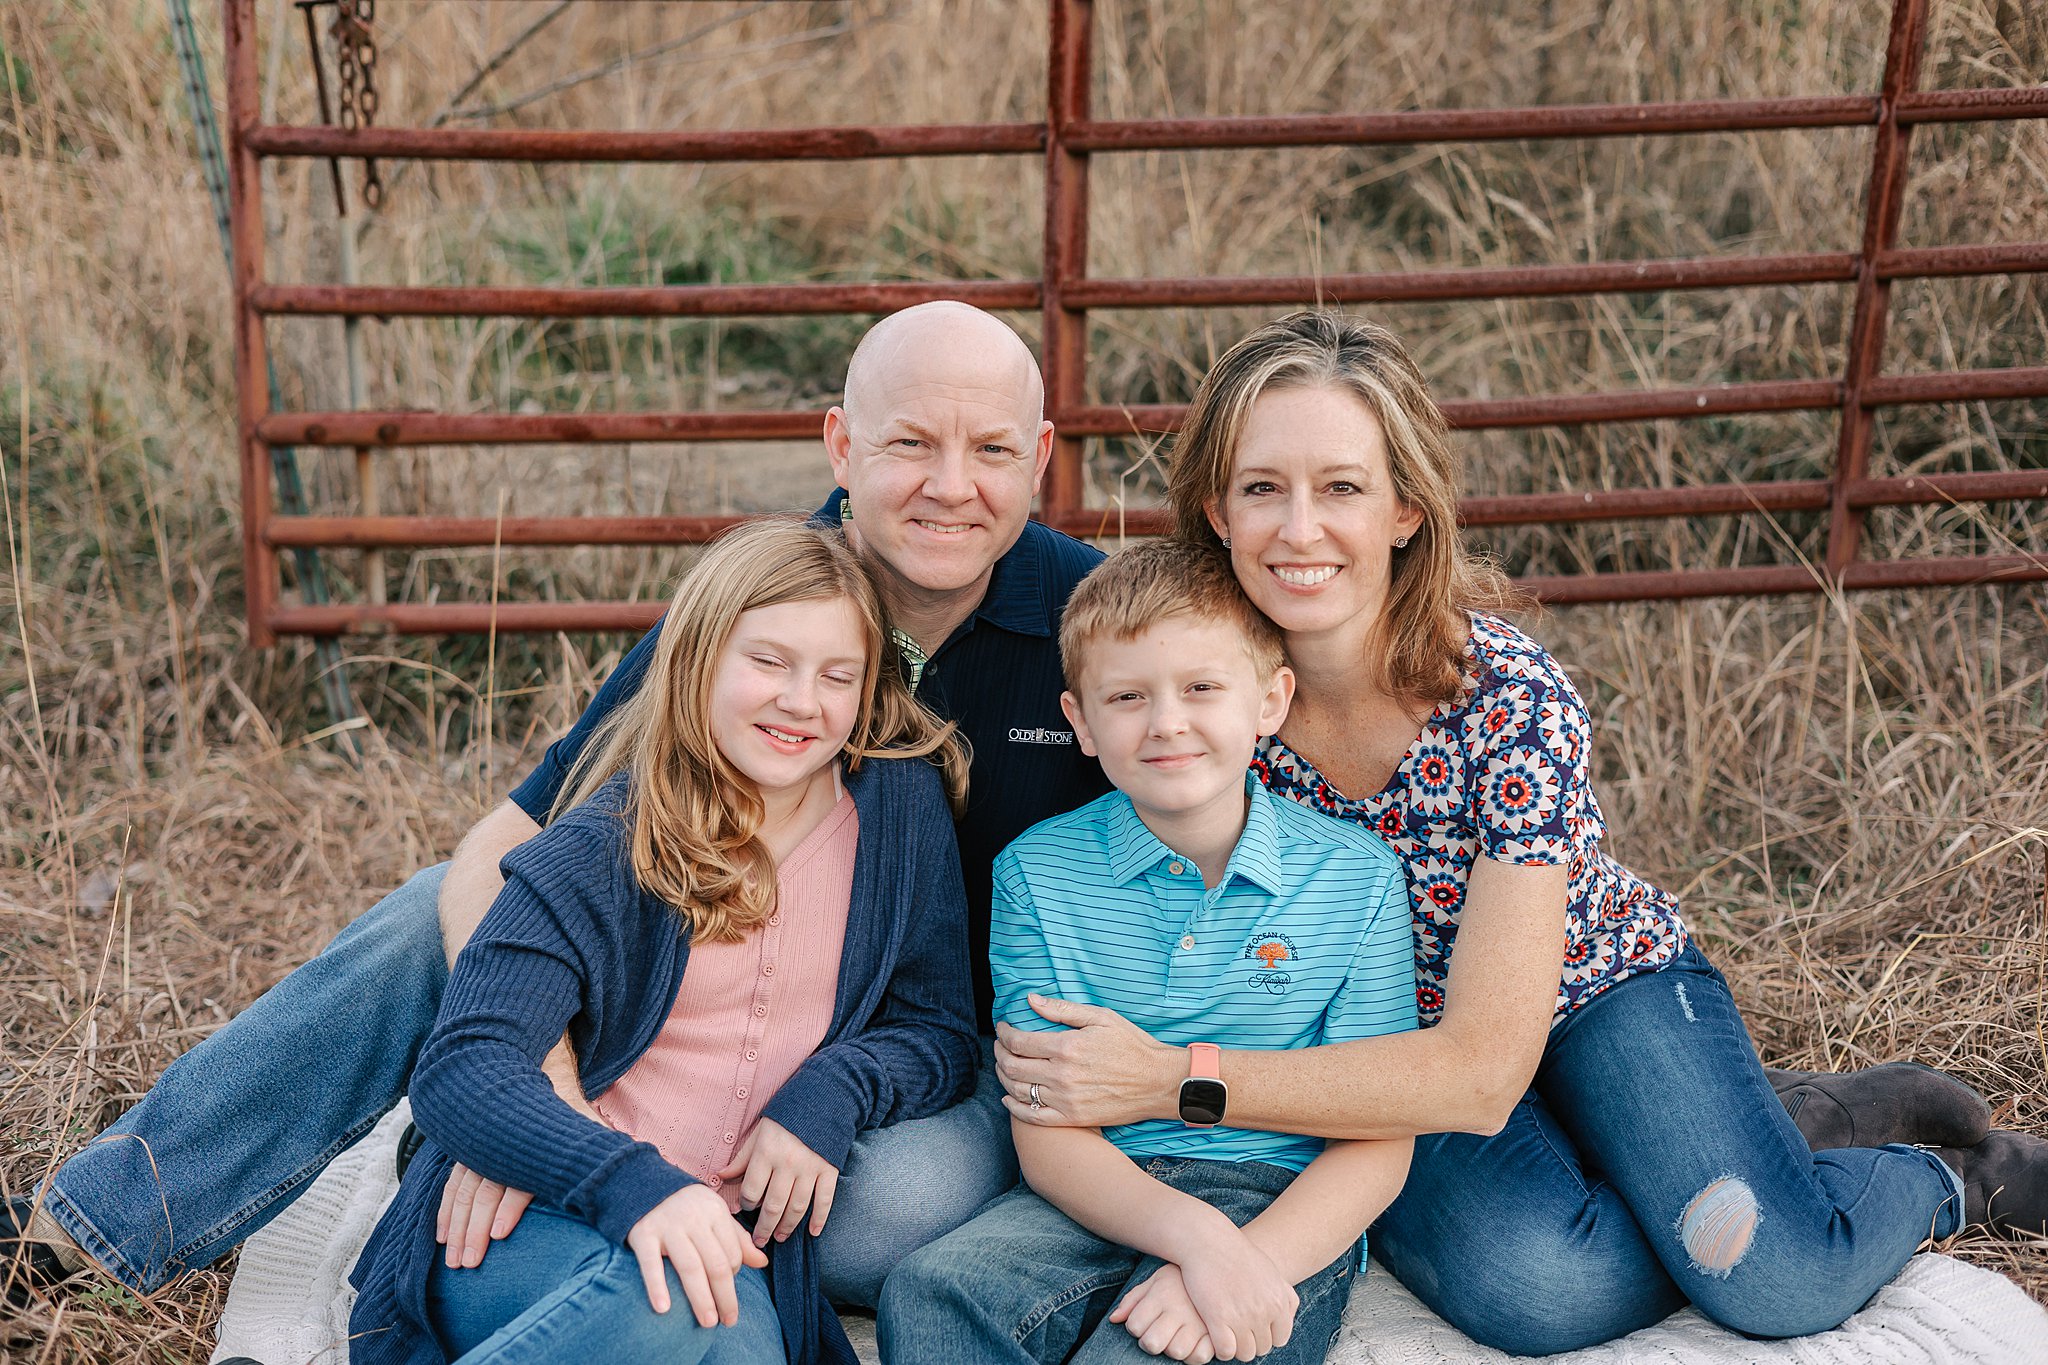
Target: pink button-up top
746 1015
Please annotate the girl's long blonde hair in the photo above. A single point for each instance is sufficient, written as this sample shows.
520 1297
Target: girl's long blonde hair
1423 627
696 818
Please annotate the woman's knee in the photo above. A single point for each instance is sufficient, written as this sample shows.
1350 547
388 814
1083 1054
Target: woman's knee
1526 1292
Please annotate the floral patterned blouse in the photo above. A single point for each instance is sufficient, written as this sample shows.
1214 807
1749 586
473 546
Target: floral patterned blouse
1501 770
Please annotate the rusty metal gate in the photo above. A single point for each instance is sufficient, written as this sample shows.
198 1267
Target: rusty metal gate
1067 139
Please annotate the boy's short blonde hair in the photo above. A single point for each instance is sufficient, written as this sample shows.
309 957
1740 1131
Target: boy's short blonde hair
1137 588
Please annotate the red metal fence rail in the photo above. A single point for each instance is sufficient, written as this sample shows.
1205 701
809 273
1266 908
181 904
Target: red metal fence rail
1067 139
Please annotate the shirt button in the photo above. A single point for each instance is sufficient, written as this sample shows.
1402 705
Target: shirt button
760 1010
729 1137
775 919
741 1092
1176 867
768 969
1187 941
751 1054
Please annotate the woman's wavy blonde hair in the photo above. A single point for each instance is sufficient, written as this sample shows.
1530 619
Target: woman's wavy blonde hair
696 818
1423 627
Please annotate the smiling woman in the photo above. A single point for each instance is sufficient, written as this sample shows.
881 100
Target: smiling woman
1596 1140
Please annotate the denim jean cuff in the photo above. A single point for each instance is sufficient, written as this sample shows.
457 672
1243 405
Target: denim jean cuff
1950 1218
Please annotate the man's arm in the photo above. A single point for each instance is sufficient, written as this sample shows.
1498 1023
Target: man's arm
472 883
474 1211
473 879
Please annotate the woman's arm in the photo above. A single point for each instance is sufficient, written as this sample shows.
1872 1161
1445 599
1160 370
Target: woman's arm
1464 1075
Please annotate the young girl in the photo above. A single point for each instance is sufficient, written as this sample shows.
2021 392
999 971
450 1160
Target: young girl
751 926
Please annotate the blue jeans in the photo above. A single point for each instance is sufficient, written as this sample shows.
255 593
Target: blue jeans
557 1290
237 1127
1649 1166
912 1183
1025 1283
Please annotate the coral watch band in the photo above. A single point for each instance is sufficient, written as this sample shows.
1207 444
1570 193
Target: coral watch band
1203 1096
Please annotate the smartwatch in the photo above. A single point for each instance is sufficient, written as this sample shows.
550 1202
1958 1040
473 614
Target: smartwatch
1202 1094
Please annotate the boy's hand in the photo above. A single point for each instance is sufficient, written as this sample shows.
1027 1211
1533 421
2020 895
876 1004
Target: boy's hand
782 1178
692 1231
474 1213
1164 1319
1245 1302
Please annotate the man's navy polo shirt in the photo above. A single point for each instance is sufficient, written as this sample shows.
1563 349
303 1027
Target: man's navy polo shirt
997 675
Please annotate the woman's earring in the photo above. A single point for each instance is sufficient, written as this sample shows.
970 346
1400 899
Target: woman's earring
1400 542
1226 542
846 507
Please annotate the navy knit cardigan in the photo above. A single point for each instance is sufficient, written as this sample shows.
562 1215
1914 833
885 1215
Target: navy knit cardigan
574 942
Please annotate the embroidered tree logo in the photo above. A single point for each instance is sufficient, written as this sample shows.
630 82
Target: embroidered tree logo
1272 953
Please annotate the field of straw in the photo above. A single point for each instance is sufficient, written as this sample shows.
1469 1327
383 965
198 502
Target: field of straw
1849 794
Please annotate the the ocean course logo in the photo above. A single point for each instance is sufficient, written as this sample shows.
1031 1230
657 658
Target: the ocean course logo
1270 951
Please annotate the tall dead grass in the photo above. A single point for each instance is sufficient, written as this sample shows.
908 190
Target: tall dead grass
1851 795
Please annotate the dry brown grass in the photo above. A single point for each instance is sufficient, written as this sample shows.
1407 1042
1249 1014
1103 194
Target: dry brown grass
1851 795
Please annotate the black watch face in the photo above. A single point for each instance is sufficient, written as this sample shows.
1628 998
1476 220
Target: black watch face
1201 1100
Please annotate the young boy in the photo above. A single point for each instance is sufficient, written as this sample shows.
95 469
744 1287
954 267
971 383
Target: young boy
1209 913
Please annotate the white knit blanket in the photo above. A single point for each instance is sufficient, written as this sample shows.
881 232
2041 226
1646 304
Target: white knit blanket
290 1302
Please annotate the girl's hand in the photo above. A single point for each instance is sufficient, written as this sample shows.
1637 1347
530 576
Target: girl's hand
1164 1319
782 1178
692 1231
475 1212
1245 1302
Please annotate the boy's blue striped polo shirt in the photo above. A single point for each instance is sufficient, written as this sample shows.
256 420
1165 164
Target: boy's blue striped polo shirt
1305 940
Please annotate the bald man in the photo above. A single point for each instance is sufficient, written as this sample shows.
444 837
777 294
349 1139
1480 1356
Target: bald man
937 450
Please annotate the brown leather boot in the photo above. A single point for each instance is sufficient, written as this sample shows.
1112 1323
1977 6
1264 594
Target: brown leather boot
24 1261
2005 1182
1893 1102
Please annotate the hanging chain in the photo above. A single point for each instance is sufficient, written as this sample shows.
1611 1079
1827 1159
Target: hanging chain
355 48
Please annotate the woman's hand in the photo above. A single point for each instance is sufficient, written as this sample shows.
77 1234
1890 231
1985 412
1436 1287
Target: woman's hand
1164 1319
692 1231
474 1213
782 1178
1100 1070
1245 1302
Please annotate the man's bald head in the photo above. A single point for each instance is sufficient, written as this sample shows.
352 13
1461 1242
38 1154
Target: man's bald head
940 446
943 345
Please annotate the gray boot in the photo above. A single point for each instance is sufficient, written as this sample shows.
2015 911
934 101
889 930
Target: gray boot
1879 1105
2005 1182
